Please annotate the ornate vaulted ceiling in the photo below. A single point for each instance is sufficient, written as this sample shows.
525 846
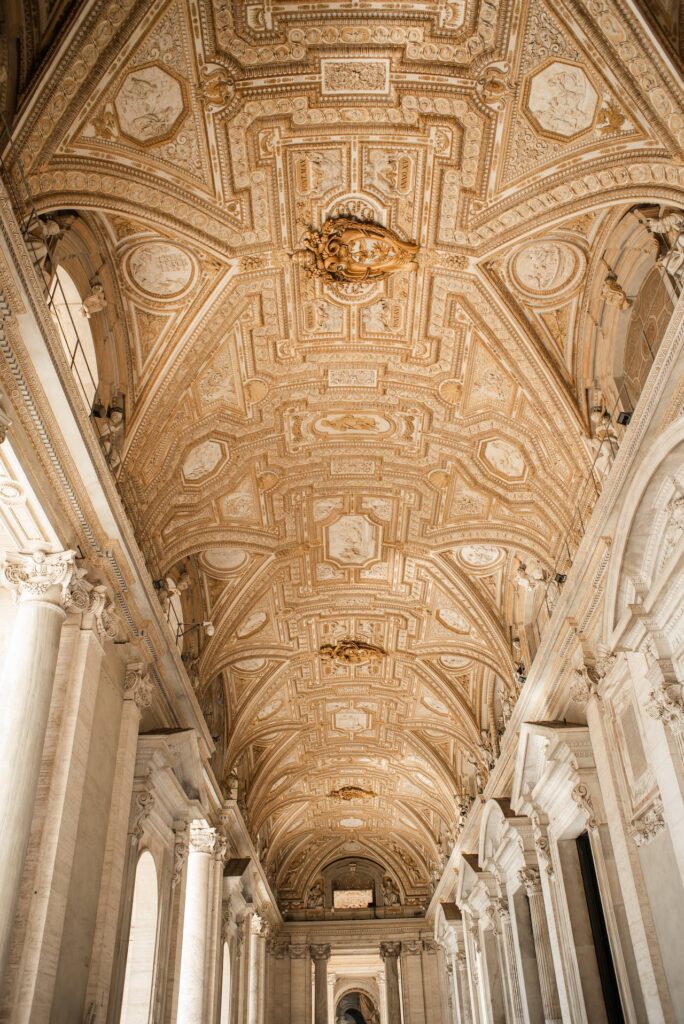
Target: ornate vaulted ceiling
371 461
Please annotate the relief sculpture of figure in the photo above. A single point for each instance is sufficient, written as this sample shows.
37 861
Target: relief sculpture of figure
356 251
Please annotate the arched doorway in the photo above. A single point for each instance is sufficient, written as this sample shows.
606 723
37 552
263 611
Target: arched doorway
356 1008
142 943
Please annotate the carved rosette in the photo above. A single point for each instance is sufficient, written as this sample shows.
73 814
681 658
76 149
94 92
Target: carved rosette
34 576
138 685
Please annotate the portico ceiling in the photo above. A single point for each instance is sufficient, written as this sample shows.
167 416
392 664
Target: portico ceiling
370 461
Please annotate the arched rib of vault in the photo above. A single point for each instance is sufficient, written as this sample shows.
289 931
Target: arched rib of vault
333 847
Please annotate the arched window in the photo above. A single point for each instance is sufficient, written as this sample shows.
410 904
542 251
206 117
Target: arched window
75 332
225 986
142 941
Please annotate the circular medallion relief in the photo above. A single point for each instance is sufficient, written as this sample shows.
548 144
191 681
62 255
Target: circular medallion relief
546 269
160 269
250 664
224 560
479 555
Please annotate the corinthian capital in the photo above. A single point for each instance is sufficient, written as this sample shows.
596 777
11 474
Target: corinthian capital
138 685
531 880
390 950
319 952
202 837
39 576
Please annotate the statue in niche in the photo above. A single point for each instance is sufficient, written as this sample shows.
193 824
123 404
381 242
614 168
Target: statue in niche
356 251
390 893
95 301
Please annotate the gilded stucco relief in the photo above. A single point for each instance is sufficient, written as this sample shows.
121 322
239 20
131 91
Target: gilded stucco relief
352 249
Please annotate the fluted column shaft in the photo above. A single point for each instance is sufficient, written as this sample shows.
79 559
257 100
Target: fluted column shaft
510 962
195 925
463 988
320 956
542 944
390 951
40 585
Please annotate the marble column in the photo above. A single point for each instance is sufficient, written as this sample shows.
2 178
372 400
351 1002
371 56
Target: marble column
40 583
390 951
202 843
463 988
530 879
320 956
500 916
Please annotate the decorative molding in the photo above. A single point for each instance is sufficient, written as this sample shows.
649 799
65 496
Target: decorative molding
180 856
580 794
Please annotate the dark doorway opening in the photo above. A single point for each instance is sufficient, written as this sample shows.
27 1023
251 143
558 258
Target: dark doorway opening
597 920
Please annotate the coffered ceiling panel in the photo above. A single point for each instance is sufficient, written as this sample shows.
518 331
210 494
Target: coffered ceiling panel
355 464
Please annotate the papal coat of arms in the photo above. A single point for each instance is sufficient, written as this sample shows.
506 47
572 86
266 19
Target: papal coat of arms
355 251
349 651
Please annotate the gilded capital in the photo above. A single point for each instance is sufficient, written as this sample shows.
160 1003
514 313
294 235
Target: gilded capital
39 576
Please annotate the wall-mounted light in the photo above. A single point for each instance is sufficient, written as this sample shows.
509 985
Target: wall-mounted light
207 626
